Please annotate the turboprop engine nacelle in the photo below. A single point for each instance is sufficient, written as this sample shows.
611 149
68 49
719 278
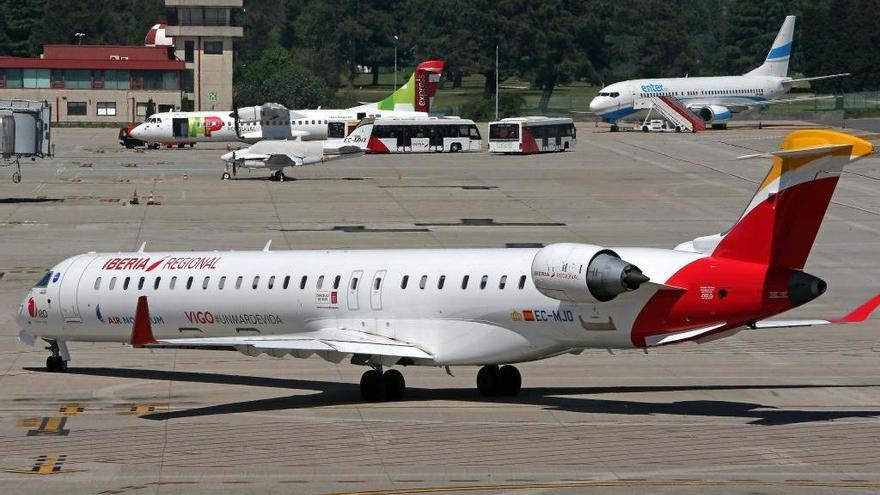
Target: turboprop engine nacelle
583 273
715 113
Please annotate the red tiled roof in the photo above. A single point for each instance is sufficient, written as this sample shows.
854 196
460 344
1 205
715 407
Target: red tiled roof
106 57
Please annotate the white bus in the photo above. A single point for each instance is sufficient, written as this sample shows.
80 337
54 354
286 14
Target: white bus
423 135
531 135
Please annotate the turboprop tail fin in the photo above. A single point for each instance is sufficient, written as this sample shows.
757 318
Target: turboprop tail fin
418 92
776 63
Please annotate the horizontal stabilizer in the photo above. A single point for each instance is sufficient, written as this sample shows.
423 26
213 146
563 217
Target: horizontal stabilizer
857 315
791 82
671 338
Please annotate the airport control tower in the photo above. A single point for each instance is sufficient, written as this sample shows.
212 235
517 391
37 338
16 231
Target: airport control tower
203 35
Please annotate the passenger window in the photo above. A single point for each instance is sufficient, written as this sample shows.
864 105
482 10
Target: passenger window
522 282
189 283
377 283
271 281
302 282
484 281
320 283
441 281
404 281
256 282
125 283
172 283
205 283
97 283
423 282
112 283
354 283
464 281
156 283
336 282
286 282
238 282
502 282
222 282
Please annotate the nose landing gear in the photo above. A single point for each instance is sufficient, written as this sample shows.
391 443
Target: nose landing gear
55 363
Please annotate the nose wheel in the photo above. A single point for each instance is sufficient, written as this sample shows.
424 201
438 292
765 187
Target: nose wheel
494 380
377 386
55 363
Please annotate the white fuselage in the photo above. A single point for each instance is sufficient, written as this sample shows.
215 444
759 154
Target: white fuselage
478 324
308 125
733 92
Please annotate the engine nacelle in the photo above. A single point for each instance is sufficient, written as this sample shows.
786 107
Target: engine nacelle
583 273
715 113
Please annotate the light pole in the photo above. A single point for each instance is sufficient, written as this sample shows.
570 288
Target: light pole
395 62
79 38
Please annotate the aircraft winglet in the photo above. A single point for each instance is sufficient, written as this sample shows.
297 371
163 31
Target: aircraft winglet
861 313
142 330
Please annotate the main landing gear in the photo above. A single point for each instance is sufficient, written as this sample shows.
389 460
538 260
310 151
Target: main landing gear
495 380
55 363
377 386
615 127
279 176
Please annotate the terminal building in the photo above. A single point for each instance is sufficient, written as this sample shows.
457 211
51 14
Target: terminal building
183 66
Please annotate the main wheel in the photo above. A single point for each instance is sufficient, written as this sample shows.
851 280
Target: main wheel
510 380
487 381
51 364
372 386
395 385
615 128
226 176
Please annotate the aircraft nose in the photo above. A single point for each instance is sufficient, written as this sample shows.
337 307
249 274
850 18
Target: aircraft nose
139 132
228 157
596 104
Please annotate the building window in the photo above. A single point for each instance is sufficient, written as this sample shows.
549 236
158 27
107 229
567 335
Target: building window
140 112
169 80
189 46
77 79
215 17
36 78
13 78
117 79
76 108
106 108
213 48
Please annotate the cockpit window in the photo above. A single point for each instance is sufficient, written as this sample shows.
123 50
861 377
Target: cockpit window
44 281
614 94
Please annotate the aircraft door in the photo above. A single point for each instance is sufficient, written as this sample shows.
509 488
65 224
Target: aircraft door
180 128
336 129
68 299
376 290
353 289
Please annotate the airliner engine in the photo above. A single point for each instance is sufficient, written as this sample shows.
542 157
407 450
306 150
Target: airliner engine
715 114
583 273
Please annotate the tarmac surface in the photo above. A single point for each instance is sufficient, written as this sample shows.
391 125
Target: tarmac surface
781 411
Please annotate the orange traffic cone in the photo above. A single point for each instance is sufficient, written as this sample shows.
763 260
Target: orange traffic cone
150 199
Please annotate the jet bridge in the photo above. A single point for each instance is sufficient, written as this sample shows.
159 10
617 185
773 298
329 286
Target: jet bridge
682 119
24 132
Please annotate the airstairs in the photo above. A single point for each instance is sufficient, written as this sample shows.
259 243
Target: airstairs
673 111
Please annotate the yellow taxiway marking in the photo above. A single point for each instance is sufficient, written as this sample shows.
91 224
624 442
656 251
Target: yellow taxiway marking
49 464
140 409
45 426
71 410
619 483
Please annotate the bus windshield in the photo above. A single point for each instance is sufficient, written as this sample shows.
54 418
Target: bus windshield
504 132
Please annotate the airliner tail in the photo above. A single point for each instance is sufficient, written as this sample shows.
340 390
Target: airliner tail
776 63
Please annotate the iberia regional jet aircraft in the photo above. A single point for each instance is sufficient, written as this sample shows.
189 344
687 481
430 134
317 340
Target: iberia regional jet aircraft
450 307
713 99
413 99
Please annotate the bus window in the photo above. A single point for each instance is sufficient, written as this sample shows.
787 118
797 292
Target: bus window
504 132
475 133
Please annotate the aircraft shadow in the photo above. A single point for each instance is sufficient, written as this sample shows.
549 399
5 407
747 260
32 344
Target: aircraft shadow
558 398
6 201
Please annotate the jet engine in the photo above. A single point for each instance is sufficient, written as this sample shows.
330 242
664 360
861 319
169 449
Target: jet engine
583 273
714 114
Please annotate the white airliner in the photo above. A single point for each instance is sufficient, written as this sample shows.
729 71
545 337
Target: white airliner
451 307
277 154
252 124
714 99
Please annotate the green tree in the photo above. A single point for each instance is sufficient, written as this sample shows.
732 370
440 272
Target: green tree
19 25
276 77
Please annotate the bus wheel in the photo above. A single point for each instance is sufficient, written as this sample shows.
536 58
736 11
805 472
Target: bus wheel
644 128
455 148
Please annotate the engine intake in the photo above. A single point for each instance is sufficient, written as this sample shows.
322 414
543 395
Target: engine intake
583 273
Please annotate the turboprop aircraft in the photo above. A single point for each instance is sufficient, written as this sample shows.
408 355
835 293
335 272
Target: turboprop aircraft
273 121
276 155
460 307
713 99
